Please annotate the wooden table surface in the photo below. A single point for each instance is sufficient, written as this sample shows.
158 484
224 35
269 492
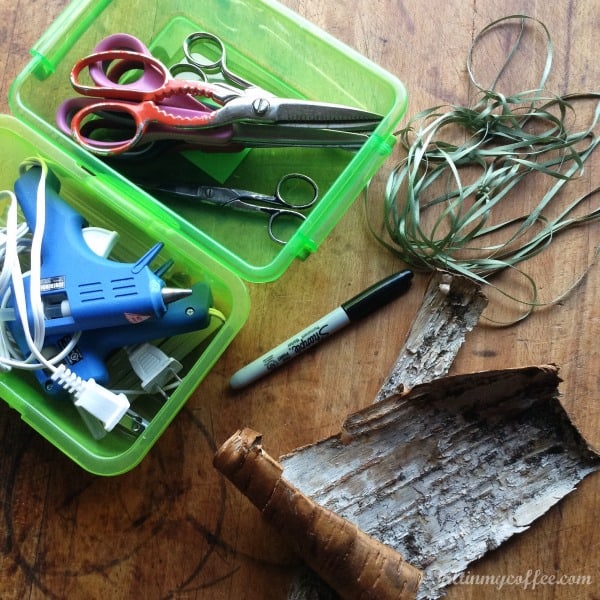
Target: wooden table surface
172 527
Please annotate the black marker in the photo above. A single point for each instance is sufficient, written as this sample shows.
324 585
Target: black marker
354 309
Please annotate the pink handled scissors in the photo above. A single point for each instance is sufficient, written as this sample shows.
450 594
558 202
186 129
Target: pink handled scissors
107 134
133 94
144 105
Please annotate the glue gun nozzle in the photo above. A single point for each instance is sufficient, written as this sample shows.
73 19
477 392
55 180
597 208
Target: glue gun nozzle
173 294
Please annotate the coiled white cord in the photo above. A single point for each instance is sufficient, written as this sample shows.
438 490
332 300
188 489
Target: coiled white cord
103 404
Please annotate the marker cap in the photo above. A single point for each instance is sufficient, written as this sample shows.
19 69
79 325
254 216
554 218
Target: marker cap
378 295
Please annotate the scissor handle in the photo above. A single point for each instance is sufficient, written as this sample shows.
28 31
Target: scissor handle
107 73
121 41
292 208
219 65
84 119
108 68
282 192
133 61
135 117
187 68
277 213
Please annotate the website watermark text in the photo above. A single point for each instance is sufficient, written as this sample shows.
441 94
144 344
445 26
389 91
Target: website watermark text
530 580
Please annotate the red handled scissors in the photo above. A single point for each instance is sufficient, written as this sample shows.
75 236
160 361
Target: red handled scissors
112 132
144 106
134 98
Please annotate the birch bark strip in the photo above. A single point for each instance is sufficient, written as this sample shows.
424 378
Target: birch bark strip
452 306
450 469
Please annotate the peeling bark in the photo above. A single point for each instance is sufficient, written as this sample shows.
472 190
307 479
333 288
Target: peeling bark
451 308
354 564
449 470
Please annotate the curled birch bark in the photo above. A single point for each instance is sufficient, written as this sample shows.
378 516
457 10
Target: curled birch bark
450 469
355 565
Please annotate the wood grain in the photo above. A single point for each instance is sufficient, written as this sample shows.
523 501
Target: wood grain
173 528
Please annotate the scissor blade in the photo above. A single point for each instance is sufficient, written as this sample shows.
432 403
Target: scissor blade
254 135
301 113
205 193
292 112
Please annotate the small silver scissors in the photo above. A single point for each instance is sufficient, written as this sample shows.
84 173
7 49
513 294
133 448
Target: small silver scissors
196 63
283 203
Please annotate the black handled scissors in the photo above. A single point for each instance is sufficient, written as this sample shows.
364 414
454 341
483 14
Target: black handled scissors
284 203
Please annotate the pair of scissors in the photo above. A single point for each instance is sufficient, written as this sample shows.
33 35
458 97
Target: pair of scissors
144 105
109 128
195 48
246 100
137 95
283 204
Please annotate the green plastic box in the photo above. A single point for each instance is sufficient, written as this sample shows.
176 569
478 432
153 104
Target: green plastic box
266 43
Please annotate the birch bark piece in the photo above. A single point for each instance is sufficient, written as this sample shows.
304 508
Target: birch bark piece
451 307
450 469
357 566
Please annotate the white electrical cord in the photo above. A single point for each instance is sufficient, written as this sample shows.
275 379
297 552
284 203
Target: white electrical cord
154 368
13 241
103 404
35 288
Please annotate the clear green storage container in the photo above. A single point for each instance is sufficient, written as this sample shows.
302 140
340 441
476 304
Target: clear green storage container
56 419
267 44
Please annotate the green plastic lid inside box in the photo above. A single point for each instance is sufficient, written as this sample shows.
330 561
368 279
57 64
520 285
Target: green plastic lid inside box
266 43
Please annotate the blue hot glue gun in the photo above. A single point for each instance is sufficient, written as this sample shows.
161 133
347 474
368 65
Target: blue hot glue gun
105 303
88 357
80 289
